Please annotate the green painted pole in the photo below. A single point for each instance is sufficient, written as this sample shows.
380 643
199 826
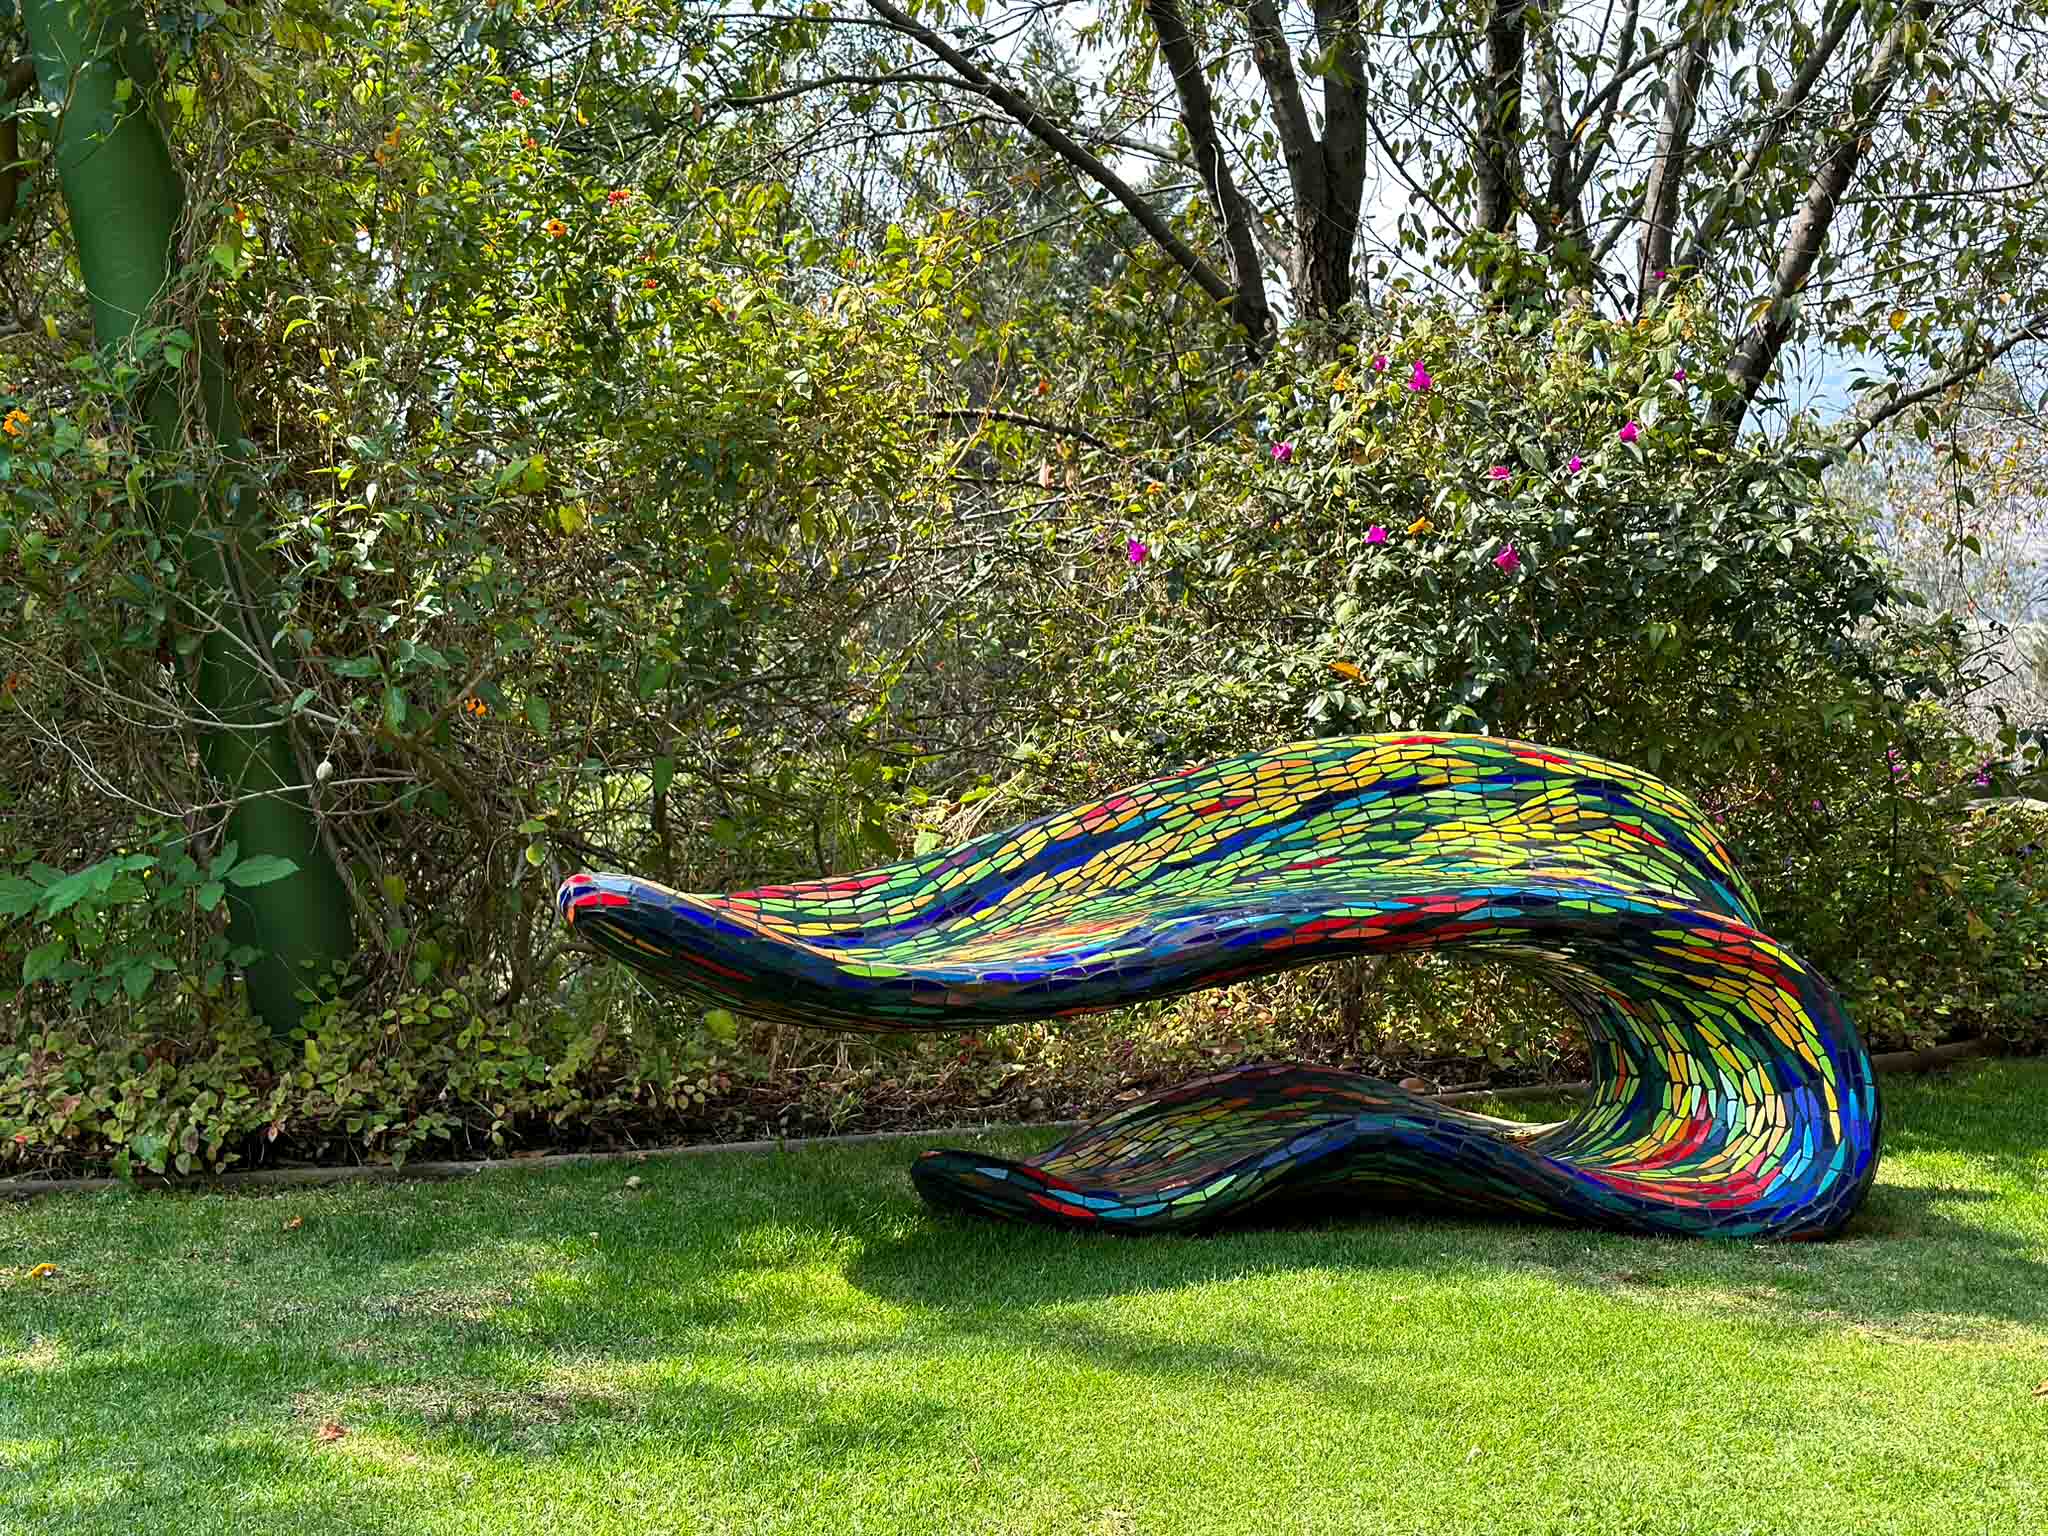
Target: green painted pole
125 199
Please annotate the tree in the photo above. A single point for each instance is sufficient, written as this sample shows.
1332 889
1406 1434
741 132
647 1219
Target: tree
125 200
1863 176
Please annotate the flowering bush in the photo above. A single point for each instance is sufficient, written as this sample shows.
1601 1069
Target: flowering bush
1583 558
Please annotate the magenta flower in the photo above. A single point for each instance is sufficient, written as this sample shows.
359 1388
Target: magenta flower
1379 363
1138 550
1575 466
1983 779
1375 534
1628 433
1508 560
1816 805
1283 451
1498 472
1419 380
1678 375
1659 275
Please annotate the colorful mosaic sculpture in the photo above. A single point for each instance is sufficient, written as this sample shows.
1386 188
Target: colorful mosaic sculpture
1731 1095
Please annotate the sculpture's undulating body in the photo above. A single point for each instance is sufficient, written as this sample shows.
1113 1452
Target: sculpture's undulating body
1730 1093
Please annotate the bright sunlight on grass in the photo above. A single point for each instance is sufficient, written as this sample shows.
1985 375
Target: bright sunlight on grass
760 1343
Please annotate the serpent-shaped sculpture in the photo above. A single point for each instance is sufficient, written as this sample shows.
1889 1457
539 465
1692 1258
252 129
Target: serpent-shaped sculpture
1730 1093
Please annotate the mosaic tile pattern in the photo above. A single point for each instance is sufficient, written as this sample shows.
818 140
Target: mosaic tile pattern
1731 1094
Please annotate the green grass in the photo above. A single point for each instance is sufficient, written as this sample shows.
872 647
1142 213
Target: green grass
789 1343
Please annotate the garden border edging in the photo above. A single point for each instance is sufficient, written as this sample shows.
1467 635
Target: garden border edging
1929 1060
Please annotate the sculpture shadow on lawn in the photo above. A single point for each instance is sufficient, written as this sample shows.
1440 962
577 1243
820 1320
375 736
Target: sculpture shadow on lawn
1731 1094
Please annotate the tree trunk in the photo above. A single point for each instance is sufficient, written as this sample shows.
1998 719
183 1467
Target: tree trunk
125 201
1758 352
1498 130
1248 306
1667 169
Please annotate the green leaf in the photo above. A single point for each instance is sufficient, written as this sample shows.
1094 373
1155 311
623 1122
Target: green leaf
721 1026
44 960
72 889
261 870
394 707
136 979
18 895
210 894
537 711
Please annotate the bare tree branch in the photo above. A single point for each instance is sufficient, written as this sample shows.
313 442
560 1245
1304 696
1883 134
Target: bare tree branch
982 413
1872 415
1667 166
1758 354
1247 302
1723 204
1050 134
826 82
1275 60
1560 216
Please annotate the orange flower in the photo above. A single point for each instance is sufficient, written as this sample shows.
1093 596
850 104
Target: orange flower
555 228
13 423
474 706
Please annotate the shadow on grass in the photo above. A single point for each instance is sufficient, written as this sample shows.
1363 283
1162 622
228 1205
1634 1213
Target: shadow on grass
564 1317
1922 1256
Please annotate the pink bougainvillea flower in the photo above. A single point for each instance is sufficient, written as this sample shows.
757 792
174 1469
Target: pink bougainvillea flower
1678 375
1138 550
1628 433
1375 534
1283 451
1498 472
1575 466
1379 363
1508 560
1419 380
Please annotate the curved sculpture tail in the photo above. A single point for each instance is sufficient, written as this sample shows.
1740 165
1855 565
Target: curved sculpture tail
1731 1093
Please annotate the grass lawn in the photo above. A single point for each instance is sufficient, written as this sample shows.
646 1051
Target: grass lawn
789 1343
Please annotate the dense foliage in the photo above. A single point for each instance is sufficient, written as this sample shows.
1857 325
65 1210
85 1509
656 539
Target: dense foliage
624 505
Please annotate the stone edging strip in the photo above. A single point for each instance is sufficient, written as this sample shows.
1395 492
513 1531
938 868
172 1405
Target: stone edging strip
1928 1060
